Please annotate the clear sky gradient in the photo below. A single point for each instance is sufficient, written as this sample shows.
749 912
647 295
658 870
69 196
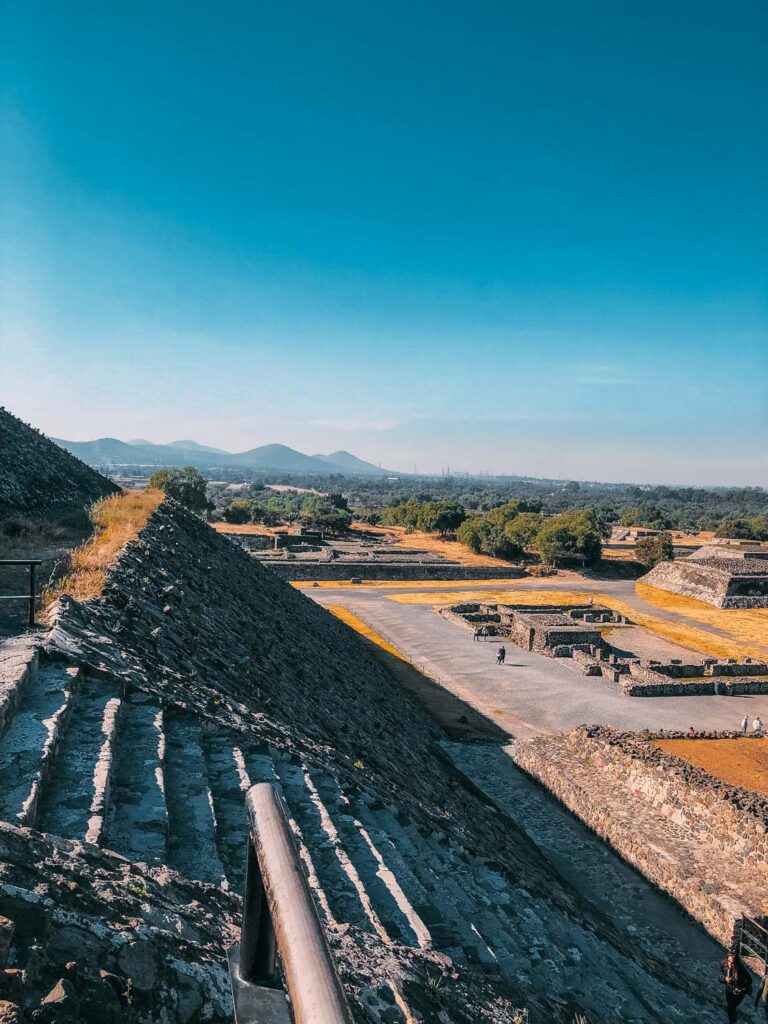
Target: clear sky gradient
524 237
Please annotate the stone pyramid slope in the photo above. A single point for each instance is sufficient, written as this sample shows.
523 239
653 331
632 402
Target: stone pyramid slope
710 575
197 674
37 477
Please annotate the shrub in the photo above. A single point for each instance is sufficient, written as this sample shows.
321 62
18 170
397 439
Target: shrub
188 486
651 550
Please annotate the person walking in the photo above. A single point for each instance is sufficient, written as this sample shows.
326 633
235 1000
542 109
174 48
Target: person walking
738 983
500 656
757 724
476 634
744 724
761 999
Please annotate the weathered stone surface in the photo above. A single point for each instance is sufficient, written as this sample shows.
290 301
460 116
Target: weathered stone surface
11 1013
709 575
696 837
7 929
140 963
248 680
37 476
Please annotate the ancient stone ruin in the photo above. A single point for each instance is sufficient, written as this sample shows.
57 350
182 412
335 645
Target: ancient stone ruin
701 840
574 632
725 575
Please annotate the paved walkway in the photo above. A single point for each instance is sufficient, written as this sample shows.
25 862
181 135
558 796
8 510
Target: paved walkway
530 694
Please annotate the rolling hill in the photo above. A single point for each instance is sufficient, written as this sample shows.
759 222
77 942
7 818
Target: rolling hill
109 453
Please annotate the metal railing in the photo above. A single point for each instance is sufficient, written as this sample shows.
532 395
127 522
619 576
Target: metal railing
280 921
29 597
752 940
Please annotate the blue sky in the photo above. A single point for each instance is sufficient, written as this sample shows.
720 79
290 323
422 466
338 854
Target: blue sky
512 236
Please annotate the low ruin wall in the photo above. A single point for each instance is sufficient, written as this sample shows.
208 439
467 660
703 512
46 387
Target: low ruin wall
249 541
727 678
371 571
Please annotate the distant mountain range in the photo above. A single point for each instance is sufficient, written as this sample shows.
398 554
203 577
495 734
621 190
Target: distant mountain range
108 453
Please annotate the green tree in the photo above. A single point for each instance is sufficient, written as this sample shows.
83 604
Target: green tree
188 486
570 534
319 513
523 529
733 527
650 550
486 538
240 511
440 517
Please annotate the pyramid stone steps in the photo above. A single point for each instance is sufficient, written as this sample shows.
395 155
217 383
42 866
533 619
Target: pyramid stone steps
29 744
229 784
76 787
192 846
335 873
394 908
137 820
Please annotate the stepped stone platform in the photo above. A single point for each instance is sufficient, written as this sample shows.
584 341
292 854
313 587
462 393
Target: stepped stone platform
132 729
697 838
722 575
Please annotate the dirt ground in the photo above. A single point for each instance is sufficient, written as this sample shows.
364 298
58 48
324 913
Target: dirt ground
741 762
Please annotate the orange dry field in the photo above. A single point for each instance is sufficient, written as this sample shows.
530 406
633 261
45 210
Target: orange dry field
447 548
749 624
398 535
247 528
740 762
116 521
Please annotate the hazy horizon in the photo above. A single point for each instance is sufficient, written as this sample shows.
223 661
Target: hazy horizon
527 239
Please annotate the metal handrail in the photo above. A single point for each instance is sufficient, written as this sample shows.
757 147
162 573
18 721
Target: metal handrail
279 918
753 939
29 597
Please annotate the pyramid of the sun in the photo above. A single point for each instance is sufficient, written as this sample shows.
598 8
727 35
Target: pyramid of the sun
725 575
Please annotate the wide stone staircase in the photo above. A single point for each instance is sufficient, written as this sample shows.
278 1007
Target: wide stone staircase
88 762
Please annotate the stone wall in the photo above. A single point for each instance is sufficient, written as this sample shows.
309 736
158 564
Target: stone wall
290 570
652 679
629 791
249 541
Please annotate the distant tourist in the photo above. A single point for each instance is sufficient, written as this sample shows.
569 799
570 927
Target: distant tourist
737 981
691 731
757 724
744 724
477 634
761 999
500 656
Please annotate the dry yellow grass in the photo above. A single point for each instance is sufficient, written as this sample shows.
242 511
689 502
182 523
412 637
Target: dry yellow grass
743 624
689 636
116 521
447 548
740 762
351 620
246 528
